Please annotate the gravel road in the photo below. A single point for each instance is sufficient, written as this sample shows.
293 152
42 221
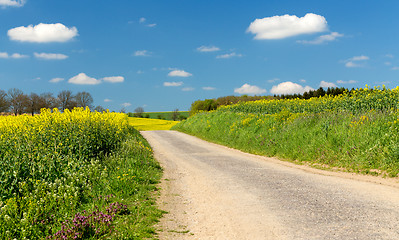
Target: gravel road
213 192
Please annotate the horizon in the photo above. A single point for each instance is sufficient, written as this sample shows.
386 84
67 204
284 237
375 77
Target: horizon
164 56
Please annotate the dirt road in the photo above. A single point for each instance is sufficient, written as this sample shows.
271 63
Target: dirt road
213 192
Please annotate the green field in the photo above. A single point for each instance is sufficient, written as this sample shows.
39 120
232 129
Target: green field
357 131
162 115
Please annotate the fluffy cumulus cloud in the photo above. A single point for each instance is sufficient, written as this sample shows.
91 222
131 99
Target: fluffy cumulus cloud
179 73
346 82
172 84
278 27
356 61
289 88
229 55
107 100
325 84
12 3
14 55
43 33
208 49
56 80
142 53
51 56
115 79
249 89
83 79
322 39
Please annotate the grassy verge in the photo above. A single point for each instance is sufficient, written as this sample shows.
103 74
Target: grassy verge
363 142
75 175
146 124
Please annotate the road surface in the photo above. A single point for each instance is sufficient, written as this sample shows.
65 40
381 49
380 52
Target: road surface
213 192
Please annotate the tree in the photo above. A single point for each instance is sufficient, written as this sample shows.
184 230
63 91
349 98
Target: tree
66 100
84 99
18 100
4 103
138 112
175 114
34 104
48 101
205 105
100 109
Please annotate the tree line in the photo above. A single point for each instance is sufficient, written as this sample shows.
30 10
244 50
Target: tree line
16 102
315 93
213 104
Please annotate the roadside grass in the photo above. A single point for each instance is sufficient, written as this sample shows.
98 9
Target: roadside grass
76 175
147 124
363 141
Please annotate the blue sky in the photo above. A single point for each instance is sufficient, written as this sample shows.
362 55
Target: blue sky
163 55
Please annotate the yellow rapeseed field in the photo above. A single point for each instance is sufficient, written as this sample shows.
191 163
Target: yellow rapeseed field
148 124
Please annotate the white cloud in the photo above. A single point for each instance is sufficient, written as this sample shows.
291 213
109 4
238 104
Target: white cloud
179 73
140 72
12 3
352 64
172 84
359 58
325 84
346 82
229 55
144 20
43 33
107 100
126 104
51 56
354 61
389 55
83 79
208 88
302 80
115 79
142 53
56 80
208 49
278 27
324 38
249 89
395 68
187 89
14 55
289 88
17 55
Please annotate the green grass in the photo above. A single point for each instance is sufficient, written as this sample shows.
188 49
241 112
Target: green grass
366 143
